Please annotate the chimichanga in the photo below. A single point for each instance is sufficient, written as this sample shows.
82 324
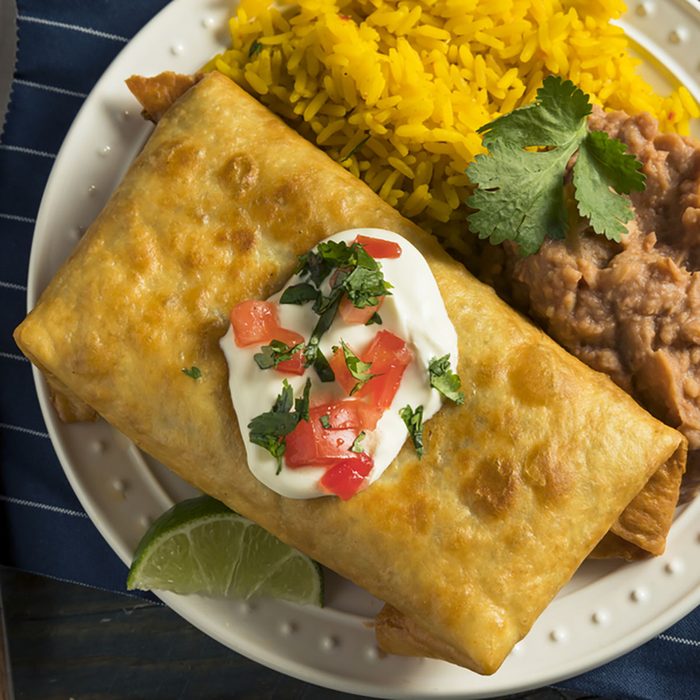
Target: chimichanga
516 487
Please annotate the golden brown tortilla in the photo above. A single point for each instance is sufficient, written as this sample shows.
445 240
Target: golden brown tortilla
516 486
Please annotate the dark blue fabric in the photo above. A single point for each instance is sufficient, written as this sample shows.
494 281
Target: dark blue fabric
43 528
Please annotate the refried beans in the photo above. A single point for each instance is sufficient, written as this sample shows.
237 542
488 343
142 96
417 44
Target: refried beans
629 309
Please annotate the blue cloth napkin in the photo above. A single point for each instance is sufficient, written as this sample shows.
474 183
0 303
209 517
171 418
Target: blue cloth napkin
63 49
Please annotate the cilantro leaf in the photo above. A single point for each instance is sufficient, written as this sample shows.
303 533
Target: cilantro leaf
556 114
323 369
324 322
255 48
358 369
274 353
600 162
325 421
356 274
356 445
269 430
299 294
192 372
520 193
283 403
374 318
413 418
364 287
301 405
445 380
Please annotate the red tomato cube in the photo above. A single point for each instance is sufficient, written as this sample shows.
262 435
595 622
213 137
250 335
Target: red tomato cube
379 248
389 356
295 365
253 322
312 445
345 478
341 371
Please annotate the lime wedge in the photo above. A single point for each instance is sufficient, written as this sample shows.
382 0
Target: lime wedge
201 546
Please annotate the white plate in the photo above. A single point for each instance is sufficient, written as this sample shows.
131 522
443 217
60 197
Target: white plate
606 610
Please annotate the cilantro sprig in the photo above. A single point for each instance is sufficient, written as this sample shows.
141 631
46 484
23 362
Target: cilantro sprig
353 274
413 418
444 379
270 429
520 193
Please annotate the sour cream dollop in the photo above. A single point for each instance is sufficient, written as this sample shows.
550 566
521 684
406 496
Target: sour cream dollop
414 311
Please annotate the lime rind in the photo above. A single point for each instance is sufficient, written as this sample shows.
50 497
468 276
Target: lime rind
201 546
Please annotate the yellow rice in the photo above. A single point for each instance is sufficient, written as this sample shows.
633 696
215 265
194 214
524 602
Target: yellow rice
395 90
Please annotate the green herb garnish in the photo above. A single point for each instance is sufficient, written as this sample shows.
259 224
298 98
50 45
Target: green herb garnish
323 369
359 370
325 421
413 418
445 380
356 446
270 429
274 353
521 182
364 287
193 372
374 318
356 274
299 294
255 48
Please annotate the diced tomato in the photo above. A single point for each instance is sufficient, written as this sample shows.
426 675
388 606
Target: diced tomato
300 450
295 365
310 444
345 478
379 248
369 415
253 322
351 314
389 356
341 371
256 323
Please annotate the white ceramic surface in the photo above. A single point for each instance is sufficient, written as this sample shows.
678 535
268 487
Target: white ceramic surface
607 609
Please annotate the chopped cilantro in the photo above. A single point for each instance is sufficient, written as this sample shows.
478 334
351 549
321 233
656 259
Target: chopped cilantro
301 405
521 182
356 274
413 418
364 287
445 380
356 445
311 352
270 429
325 421
323 369
255 48
299 294
359 370
274 353
193 372
374 318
